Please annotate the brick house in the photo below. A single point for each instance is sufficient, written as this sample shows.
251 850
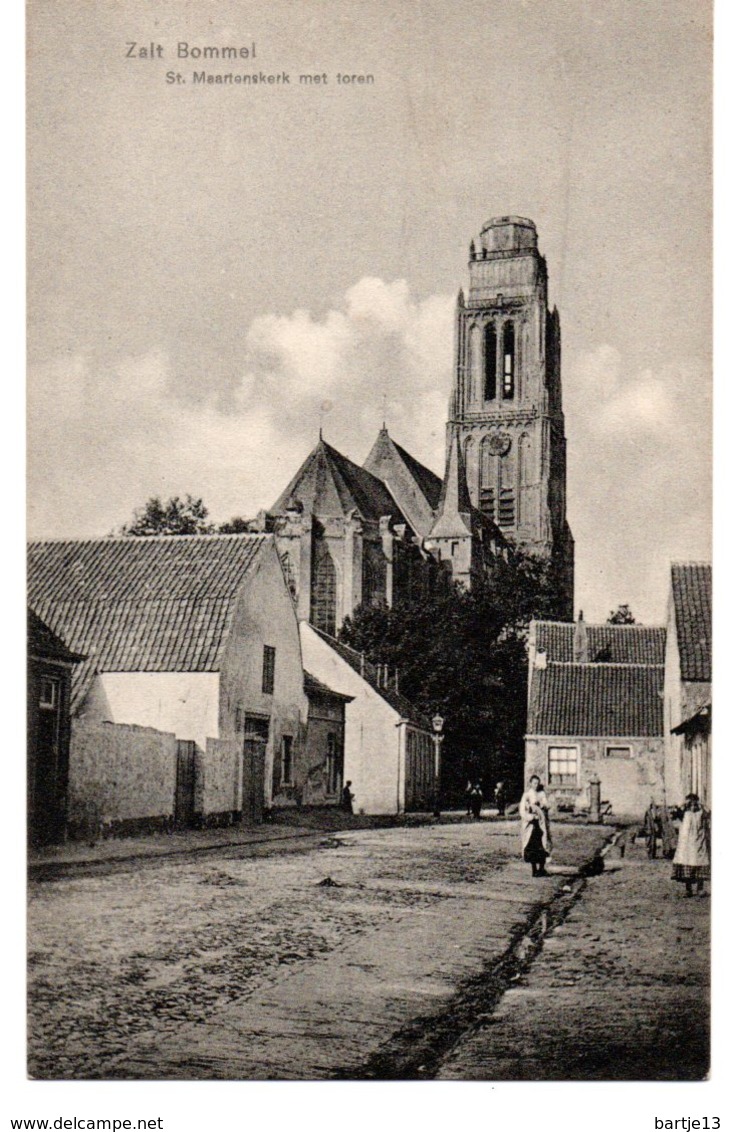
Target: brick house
50 667
687 716
190 637
595 709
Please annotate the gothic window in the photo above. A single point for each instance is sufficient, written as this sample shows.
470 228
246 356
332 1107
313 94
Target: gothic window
508 391
287 760
488 481
497 485
324 589
475 363
490 362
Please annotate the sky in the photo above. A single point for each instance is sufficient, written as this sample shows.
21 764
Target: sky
209 265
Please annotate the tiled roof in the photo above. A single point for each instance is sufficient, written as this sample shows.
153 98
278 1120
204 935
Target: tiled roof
141 604
370 674
620 644
692 597
330 484
610 700
43 642
316 687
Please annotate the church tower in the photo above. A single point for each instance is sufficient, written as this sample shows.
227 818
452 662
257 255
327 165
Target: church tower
505 411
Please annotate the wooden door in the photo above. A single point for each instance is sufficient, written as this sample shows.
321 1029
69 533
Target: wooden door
256 736
185 783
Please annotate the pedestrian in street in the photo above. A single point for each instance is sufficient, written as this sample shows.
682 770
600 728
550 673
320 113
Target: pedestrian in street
348 797
534 827
476 799
692 861
500 798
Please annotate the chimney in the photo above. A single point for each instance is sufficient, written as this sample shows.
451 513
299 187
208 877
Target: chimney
581 641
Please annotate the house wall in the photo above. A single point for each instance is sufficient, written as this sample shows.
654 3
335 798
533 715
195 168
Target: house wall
121 778
629 784
264 615
374 748
185 703
48 751
326 717
682 699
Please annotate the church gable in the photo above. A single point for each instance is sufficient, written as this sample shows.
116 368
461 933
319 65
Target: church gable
415 488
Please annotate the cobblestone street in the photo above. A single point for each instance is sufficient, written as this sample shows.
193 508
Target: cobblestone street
628 971
296 965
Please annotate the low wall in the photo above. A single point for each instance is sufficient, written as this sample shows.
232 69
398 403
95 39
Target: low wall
218 781
121 778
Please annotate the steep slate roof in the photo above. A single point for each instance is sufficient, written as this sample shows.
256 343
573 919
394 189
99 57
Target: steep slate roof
369 673
602 700
428 481
692 596
328 483
44 643
160 604
620 644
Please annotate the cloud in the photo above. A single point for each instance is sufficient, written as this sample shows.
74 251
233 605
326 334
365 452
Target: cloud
106 433
639 476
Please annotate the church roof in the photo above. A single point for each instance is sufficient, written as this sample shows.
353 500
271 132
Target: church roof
415 488
692 596
596 700
620 644
330 484
159 604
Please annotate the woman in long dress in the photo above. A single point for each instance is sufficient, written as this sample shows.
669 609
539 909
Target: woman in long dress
535 829
692 861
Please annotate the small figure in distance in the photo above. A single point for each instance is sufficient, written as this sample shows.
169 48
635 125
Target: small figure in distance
692 861
476 801
500 798
348 797
534 827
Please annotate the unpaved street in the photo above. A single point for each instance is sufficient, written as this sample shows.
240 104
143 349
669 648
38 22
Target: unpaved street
293 966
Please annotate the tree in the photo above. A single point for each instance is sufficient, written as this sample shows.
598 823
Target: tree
235 526
463 654
176 517
622 615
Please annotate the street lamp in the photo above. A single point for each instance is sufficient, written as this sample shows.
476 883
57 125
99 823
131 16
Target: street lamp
438 726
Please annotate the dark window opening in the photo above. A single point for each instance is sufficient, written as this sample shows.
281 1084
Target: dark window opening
508 362
287 760
506 512
487 502
267 675
490 362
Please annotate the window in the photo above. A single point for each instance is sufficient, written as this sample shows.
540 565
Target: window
333 765
324 589
267 676
563 766
48 695
490 362
508 390
506 511
619 752
287 760
487 502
